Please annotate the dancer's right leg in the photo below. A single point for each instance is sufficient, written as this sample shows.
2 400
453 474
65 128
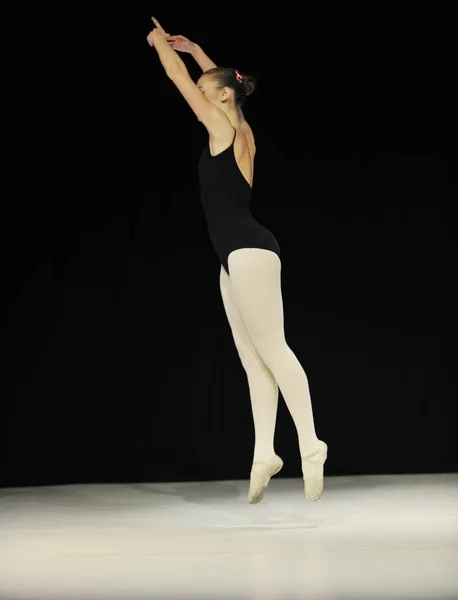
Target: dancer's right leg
256 286
263 394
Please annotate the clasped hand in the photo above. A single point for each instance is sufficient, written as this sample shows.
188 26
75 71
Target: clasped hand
158 31
177 42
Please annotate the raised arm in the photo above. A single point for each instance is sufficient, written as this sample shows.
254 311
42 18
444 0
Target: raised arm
170 60
202 59
215 121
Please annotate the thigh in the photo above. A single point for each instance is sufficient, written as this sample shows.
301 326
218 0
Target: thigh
245 347
256 286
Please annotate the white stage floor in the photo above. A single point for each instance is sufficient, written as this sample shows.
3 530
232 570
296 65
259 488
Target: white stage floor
368 538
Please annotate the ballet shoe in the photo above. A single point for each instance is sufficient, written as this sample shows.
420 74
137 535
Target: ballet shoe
313 472
261 472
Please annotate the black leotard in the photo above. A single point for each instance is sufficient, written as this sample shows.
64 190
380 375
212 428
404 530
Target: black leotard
226 196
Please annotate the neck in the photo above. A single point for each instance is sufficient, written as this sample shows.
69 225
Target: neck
235 116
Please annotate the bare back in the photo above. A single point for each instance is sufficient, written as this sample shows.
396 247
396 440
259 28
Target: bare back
244 148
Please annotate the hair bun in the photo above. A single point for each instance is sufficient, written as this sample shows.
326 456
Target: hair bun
243 85
249 84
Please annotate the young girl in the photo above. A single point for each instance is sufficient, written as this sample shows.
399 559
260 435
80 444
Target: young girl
250 275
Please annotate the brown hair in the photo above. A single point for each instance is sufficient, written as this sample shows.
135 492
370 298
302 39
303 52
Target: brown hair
242 84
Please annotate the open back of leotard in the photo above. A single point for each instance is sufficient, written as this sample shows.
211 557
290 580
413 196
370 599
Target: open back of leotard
226 197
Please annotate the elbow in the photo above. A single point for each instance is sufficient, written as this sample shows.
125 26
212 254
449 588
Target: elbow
175 71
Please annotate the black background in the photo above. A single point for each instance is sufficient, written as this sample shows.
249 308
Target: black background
117 360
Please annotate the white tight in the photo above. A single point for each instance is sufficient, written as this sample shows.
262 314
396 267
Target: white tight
254 307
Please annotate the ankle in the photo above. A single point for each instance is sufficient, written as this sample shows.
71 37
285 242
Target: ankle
263 457
262 462
310 448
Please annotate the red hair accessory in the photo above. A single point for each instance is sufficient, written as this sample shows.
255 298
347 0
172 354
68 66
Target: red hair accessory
238 76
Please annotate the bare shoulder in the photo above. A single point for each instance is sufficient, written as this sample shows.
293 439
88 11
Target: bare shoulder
249 136
222 127
221 134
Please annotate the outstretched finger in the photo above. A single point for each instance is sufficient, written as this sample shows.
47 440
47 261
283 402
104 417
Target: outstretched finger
158 25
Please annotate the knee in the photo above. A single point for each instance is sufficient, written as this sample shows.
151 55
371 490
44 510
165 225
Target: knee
272 350
250 360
